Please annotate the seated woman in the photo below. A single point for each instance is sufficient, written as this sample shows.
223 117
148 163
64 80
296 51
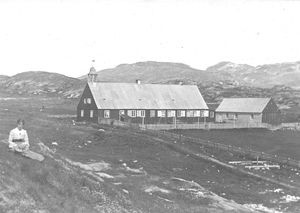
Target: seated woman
18 138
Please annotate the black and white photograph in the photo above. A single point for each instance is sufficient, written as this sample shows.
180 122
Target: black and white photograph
149 106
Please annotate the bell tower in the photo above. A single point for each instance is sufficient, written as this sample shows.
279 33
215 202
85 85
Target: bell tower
92 76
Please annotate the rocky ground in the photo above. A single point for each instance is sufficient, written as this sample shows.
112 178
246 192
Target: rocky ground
92 168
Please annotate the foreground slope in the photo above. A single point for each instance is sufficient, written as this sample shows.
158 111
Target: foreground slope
91 168
76 177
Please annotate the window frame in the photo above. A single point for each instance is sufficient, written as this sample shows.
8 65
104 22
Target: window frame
161 113
82 113
131 113
197 113
152 113
140 113
190 113
91 113
182 113
171 113
106 113
236 116
89 101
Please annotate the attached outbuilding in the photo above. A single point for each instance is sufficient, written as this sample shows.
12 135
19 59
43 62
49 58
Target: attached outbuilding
248 110
141 103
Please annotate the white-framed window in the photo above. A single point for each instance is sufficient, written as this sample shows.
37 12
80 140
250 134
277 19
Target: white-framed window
82 113
91 113
152 113
171 113
231 116
197 113
189 113
140 113
84 100
180 113
235 117
206 113
121 112
106 113
211 114
161 113
88 100
131 113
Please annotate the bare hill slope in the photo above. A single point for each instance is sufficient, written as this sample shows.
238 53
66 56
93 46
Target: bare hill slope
267 75
39 83
152 72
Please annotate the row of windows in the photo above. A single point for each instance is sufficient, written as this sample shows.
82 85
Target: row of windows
163 113
91 113
235 116
160 113
87 100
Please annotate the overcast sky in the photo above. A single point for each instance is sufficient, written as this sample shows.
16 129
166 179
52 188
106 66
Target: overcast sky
64 36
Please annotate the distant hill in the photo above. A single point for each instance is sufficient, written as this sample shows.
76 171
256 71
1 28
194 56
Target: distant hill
265 76
225 79
3 78
154 72
40 83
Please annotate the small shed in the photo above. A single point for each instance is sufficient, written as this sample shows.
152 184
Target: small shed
248 110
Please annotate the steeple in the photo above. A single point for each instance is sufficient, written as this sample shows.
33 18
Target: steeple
92 76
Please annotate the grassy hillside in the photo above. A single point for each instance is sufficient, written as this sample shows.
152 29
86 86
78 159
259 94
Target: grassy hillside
30 186
91 168
281 142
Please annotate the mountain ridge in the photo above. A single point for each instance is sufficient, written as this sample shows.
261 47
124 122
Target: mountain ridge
225 79
152 72
266 76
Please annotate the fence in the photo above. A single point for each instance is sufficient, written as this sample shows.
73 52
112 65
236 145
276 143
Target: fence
209 125
225 147
157 132
186 125
291 126
118 123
